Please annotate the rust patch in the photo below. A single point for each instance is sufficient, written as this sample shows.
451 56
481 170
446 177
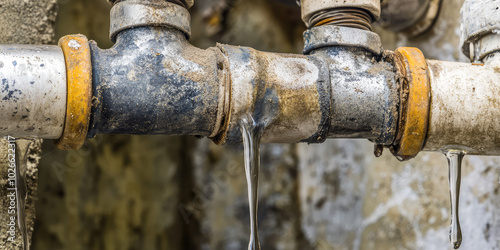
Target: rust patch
79 92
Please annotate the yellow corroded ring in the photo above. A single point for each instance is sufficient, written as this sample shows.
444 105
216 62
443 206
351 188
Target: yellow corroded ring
79 93
414 118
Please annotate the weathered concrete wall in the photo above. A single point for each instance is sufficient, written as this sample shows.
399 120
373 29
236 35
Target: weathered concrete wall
117 192
130 192
25 22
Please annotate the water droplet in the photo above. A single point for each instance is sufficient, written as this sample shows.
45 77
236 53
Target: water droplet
378 150
454 175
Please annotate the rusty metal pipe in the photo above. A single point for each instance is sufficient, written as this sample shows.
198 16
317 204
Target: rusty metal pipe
292 90
152 81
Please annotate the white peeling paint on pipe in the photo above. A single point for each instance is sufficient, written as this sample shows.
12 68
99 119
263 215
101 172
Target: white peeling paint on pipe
465 110
33 91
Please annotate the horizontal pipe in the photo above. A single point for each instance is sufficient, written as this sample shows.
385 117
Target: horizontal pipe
291 91
465 109
33 93
154 82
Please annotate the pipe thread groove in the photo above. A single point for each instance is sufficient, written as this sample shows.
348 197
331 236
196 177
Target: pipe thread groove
182 3
345 17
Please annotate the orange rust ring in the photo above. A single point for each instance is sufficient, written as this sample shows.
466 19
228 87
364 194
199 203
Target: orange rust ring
79 91
414 117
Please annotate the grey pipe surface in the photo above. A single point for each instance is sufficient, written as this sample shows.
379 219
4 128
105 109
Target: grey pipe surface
464 111
152 81
33 93
365 95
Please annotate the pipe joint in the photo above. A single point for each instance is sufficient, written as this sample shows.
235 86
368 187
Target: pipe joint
414 103
365 94
152 81
291 92
364 90
79 91
327 36
130 14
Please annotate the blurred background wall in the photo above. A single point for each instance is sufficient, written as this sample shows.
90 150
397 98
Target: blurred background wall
158 192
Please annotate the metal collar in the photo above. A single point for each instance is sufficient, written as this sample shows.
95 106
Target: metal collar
126 15
329 35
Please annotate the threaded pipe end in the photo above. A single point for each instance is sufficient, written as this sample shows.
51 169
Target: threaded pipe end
182 3
345 17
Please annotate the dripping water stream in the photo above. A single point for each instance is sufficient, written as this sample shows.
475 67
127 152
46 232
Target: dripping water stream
20 149
454 174
252 133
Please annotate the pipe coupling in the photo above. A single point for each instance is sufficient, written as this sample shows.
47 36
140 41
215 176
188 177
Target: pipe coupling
328 35
130 14
415 103
79 91
289 93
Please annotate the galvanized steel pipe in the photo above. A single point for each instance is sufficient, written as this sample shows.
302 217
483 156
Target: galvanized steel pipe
154 82
365 95
465 109
294 90
33 93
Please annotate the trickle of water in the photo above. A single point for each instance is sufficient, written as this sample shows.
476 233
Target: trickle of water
252 133
454 175
19 148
